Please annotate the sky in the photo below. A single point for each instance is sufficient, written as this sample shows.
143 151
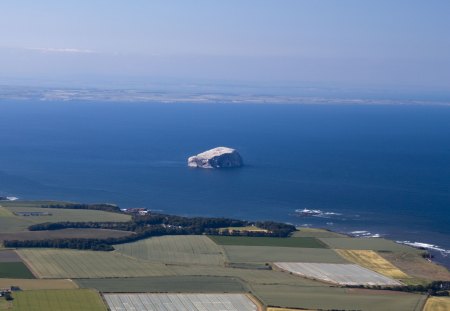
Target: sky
351 43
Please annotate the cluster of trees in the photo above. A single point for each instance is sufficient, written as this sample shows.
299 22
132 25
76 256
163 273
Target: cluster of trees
123 226
435 288
153 224
91 244
193 225
181 221
99 207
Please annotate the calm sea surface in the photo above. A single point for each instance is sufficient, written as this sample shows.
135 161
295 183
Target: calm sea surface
382 169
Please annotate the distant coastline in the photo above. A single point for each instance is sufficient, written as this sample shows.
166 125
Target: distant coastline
22 93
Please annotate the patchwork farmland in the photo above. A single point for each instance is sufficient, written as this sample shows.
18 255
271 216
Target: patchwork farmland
180 302
202 265
187 249
342 274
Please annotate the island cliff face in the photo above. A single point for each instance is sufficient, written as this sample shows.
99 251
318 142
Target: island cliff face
220 157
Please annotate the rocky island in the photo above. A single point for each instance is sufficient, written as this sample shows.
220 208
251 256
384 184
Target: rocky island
220 157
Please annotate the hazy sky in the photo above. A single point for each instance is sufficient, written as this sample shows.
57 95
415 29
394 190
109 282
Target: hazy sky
371 43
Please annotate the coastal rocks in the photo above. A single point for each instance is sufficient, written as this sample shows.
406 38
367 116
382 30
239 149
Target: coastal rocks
220 157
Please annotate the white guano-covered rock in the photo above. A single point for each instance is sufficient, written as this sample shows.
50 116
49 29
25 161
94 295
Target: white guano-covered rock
220 157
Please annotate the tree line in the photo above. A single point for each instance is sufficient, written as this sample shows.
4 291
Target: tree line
435 288
153 224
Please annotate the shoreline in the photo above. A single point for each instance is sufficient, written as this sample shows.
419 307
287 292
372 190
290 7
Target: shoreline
432 249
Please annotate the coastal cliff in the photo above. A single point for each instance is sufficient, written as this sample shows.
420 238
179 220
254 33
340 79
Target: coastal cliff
220 157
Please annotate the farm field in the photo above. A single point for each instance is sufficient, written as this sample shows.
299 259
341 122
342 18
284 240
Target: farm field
268 241
63 234
316 233
31 284
371 260
15 270
187 249
7 255
342 274
58 300
416 266
437 304
247 275
264 254
13 223
5 213
65 263
326 298
180 302
174 284
375 244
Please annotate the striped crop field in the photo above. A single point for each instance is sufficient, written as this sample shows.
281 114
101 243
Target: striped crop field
58 300
264 254
371 260
437 304
186 249
342 274
67 263
180 302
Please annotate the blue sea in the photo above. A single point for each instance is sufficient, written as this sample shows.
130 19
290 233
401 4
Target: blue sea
372 170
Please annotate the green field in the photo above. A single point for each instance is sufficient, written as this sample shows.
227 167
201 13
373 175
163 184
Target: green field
32 284
4 212
67 263
375 244
263 254
58 300
249 276
308 242
15 270
337 298
316 233
174 284
187 249
14 223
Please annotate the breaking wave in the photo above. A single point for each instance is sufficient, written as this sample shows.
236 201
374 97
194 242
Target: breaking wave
427 246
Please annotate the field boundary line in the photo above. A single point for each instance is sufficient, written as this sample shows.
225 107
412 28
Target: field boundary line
29 266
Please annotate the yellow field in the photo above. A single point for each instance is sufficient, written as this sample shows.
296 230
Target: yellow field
437 304
32 284
373 261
